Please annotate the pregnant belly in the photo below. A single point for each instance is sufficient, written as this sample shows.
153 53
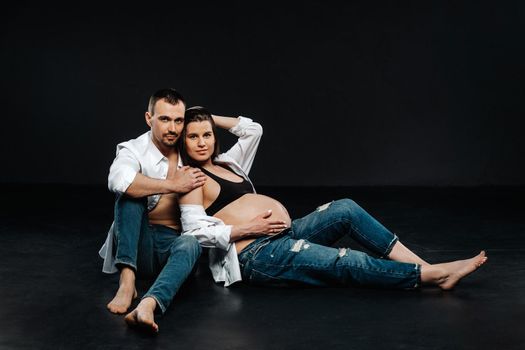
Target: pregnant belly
248 207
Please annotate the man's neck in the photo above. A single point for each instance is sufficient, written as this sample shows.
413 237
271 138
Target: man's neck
168 152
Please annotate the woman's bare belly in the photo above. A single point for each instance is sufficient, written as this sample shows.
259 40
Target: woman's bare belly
248 207
166 212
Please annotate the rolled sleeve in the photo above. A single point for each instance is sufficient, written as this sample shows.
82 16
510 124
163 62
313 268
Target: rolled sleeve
246 126
208 230
122 171
249 134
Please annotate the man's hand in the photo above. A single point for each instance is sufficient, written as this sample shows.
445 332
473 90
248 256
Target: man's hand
186 179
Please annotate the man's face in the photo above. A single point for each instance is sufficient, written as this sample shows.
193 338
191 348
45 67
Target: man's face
166 123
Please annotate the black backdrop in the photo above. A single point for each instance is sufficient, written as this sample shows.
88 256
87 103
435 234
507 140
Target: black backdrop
362 93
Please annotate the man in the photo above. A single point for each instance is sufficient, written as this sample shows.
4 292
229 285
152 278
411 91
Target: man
144 238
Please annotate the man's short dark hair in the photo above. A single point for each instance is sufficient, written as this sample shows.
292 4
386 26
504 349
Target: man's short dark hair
171 96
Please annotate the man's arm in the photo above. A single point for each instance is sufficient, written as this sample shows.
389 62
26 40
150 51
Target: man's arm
125 177
184 180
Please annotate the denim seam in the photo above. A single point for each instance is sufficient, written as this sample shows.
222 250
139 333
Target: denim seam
117 234
127 263
328 267
418 276
252 253
364 237
390 246
265 274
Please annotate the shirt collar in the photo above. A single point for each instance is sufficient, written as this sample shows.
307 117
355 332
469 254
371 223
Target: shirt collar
157 155
153 151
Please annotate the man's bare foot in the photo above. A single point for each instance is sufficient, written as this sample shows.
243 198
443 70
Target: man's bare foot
447 275
125 294
143 316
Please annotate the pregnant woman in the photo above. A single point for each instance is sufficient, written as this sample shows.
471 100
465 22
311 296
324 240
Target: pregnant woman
255 240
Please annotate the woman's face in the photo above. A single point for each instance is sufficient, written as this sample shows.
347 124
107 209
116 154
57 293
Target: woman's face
200 141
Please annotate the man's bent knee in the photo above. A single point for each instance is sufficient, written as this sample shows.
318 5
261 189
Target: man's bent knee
124 202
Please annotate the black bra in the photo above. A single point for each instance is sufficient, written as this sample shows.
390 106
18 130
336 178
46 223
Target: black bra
229 191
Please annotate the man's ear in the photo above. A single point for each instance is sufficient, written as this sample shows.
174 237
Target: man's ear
148 117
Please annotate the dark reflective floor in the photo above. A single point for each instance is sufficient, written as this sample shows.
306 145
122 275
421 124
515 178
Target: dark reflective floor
53 293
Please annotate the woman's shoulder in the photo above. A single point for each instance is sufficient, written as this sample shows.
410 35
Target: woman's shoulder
195 196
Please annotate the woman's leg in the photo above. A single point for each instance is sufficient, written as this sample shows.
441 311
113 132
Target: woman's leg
401 253
286 261
331 221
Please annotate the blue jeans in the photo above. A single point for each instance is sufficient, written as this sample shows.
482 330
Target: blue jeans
302 254
153 251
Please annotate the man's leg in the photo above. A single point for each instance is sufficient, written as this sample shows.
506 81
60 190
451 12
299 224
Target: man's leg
177 256
331 221
130 232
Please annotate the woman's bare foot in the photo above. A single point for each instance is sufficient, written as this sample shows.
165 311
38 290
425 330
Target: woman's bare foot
447 275
143 316
125 293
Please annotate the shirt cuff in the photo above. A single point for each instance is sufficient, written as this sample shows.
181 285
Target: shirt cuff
223 240
240 128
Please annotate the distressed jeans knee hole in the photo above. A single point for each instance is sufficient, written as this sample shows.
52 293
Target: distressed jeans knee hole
323 207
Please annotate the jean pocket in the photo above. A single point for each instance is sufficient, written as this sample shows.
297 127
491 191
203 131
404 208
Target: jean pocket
258 248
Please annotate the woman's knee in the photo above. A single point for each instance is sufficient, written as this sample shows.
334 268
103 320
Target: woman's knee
347 207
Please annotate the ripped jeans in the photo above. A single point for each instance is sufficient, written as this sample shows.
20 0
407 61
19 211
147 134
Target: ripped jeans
302 254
